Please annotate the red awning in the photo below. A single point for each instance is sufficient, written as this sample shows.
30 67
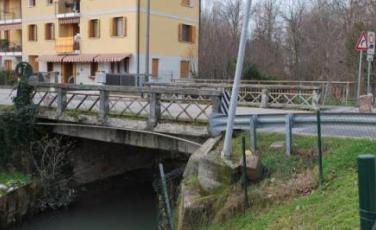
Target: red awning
11 27
80 58
111 57
69 20
50 58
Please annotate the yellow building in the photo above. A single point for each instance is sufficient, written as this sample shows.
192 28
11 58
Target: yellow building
10 33
81 38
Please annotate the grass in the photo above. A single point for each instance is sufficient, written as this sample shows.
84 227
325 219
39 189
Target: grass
13 179
290 197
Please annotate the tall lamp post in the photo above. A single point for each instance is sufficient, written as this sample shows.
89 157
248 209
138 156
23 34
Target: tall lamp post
227 148
147 40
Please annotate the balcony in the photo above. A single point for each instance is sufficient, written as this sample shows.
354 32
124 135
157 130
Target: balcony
10 16
68 8
67 45
10 48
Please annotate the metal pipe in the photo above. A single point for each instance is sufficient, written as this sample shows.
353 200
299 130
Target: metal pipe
165 193
227 149
369 91
138 40
147 39
359 76
319 145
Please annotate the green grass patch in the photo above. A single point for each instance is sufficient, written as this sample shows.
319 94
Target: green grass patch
290 198
16 178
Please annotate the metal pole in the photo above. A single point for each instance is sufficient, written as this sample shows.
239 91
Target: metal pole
359 76
245 178
319 145
367 191
147 40
165 194
227 149
369 77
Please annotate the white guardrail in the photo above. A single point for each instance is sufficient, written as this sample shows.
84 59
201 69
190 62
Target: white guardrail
217 123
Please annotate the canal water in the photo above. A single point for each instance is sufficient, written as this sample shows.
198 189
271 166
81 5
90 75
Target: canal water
121 203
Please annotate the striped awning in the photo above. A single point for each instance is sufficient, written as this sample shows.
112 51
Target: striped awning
111 57
69 20
11 27
80 58
50 58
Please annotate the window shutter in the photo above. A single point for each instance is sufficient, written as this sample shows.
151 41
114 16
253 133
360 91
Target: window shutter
36 32
99 28
112 27
180 32
46 31
29 30
193 34
53 31
90 28
125 26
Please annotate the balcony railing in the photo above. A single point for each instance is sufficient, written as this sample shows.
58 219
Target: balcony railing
12 15
67 45
68 8
10 47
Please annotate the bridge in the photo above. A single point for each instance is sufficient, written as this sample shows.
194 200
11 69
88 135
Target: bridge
175 116
170 117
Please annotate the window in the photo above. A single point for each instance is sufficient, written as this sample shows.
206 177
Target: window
50 2
187 33
93 68
184 69
94 28
115 67
119 26
32 3
34 64
188 3
50 66
6 35
32 32
155 67
50 31
8 65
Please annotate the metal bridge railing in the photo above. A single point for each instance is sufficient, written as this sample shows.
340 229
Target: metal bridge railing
177 104
288 122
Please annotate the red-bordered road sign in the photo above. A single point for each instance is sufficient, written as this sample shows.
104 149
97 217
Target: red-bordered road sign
362 44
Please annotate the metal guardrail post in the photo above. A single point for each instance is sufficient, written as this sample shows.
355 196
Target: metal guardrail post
104 105
61 102
289 124
155 109
367 191
253 132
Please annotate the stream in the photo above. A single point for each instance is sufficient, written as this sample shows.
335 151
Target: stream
119 203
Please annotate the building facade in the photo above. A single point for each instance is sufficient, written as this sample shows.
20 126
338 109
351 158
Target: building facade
79 39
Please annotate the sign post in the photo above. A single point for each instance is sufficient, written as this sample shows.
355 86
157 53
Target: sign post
361 46
370 56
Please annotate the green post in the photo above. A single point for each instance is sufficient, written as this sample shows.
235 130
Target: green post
319 145
367 191
245 178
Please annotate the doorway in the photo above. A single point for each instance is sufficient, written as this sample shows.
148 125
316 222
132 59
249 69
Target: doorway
68 73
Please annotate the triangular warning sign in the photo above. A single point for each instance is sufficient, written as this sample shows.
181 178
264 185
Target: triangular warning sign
361 45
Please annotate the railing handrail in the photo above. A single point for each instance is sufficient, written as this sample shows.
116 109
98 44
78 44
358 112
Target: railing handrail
273 81
122 89
258 86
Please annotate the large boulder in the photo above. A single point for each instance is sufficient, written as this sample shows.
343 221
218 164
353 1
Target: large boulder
254 166
214 171
366 103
